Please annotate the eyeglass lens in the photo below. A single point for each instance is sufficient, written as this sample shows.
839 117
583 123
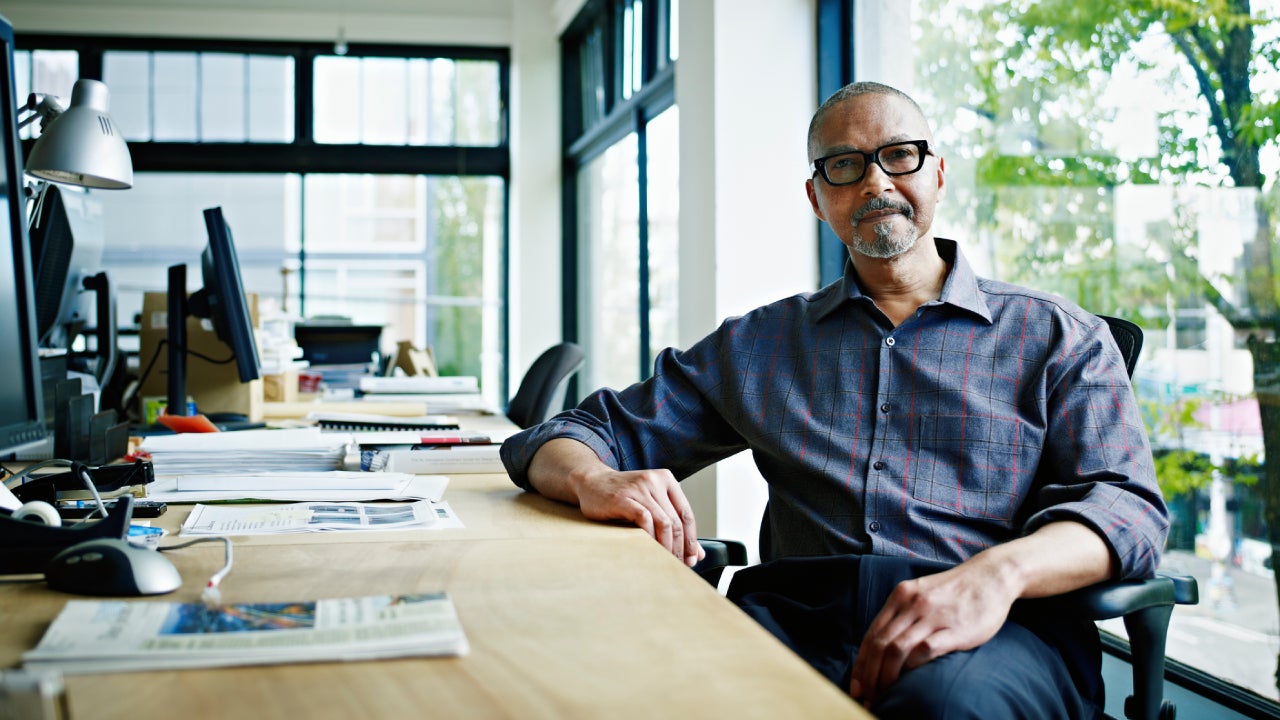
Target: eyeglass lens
896 159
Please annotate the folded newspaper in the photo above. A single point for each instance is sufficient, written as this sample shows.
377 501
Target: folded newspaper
131 635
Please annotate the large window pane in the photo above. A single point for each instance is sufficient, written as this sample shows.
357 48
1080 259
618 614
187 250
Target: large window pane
177 97
270 99
663 144
1106 184
190 97
128 75
609 275
49 72
365 214
436 282
419 255
223 97
398 101
160 222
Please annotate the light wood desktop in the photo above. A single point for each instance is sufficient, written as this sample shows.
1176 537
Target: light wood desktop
567 618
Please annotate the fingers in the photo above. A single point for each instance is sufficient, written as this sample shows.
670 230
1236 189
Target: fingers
690 550
904 635
654 502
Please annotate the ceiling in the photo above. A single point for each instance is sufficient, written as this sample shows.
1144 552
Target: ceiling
461 8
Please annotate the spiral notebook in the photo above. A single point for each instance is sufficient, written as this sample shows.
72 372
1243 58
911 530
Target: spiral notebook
356 422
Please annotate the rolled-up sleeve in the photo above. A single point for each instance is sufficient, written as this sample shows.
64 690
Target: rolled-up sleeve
1097 468
668 421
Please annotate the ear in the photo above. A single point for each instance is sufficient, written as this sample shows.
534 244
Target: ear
942 181
813 199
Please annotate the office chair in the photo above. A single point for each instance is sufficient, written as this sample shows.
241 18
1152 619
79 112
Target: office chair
1145 605
541 393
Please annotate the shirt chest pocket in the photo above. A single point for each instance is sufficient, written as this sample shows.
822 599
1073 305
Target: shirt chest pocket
978 466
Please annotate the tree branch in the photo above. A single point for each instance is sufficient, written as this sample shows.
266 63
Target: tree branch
1220 125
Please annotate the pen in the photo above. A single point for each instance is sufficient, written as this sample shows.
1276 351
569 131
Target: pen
455 440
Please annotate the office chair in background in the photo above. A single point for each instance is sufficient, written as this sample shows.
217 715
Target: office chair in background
541 392
1145 605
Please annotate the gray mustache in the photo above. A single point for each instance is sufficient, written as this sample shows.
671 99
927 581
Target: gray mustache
883 204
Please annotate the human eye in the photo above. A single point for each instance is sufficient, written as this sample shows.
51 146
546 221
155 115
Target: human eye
844 162
899 153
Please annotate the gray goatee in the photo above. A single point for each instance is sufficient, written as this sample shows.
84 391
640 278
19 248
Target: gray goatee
886 244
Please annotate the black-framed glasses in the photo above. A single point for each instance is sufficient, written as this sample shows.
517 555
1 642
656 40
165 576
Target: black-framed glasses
847 168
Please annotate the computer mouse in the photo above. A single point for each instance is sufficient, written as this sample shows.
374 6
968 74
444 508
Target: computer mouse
111 567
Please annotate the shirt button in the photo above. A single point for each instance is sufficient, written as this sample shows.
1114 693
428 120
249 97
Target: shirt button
879 465
884 408
889 341
874 526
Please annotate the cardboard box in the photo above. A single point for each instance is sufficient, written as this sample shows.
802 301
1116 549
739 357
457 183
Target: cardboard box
215 387
280 388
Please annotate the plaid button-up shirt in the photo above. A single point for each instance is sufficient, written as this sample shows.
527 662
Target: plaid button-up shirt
990 412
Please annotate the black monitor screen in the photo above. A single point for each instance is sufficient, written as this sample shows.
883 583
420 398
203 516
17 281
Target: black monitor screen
222 300
66 248
21 404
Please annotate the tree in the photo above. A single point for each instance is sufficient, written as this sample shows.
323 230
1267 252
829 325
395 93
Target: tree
1223 46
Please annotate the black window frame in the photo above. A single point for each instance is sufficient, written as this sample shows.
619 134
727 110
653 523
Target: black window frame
303 155
595 115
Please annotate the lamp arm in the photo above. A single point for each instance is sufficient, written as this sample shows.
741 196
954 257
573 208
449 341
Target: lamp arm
43 107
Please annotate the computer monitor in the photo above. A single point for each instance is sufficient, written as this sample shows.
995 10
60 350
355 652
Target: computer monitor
21 401
221 301
66 248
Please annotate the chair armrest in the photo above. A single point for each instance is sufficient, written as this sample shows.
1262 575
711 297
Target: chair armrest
1118 598
719 555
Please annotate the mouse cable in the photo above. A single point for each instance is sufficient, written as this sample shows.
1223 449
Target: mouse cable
211 595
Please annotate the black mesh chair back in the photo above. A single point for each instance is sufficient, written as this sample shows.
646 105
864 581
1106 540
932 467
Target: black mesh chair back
542 391
1129 337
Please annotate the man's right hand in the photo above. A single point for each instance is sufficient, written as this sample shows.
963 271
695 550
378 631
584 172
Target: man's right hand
569 471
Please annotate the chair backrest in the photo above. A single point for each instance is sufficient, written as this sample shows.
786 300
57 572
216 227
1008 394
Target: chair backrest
1129 337
541 392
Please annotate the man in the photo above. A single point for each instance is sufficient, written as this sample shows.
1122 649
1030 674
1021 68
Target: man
937 447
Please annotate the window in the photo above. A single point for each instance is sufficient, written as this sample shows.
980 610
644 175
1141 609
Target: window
622 136
1091 168
342 178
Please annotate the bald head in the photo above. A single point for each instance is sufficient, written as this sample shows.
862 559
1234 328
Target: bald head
851 90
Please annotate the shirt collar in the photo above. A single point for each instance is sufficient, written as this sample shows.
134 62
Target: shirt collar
960 289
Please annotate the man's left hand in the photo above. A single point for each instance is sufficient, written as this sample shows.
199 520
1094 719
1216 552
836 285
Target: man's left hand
926 618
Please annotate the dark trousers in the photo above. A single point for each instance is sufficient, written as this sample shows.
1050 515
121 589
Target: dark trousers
1037 665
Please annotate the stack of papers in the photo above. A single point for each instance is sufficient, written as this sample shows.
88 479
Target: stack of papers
123 636
247 451
421 384
333 486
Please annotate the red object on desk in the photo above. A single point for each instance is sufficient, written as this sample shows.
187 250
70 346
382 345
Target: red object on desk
187 423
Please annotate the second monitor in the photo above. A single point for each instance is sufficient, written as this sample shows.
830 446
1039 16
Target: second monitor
222 301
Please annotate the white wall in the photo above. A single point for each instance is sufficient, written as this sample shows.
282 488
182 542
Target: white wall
535 275
746 87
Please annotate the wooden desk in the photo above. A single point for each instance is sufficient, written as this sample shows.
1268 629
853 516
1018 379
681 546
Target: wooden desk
566 618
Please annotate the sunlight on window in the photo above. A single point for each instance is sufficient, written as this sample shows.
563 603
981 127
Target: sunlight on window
1107 184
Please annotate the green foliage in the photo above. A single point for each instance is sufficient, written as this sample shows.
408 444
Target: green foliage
1182 471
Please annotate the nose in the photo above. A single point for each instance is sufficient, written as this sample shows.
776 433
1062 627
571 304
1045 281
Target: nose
875 180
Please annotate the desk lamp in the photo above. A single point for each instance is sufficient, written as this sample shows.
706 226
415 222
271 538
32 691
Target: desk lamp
78 145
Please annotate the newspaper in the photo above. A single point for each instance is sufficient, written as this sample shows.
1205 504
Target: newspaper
310 517
130 635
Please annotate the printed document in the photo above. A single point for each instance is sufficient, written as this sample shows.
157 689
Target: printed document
310 517
131 635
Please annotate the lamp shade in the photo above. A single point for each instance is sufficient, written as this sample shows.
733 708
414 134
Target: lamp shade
82 146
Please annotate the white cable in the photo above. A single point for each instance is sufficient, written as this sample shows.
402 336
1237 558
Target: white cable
93 490
211 595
